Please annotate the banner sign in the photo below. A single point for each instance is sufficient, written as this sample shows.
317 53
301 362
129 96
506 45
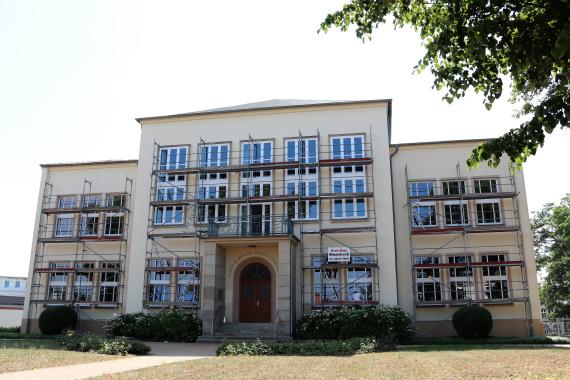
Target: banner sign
339 255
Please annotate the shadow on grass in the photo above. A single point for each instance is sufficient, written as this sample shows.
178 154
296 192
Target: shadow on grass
29 344
479 347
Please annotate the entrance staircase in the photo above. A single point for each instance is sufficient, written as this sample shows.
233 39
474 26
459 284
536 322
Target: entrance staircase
242 332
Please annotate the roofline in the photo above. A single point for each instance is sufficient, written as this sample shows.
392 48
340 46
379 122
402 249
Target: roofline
105 162
441 142
18 277
201 113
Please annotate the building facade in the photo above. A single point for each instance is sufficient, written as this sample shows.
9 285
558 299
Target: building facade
263 212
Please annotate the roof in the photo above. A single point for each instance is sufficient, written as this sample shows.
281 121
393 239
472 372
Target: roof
11 301
104 162
267 105
441 142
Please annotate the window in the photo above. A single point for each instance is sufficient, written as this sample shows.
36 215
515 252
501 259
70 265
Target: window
214 155
303 210
428 280
6 284
66 201
17 284
109 282
64 226
256 153
159 281
90 201
453 187
326 283
495 280
304 150
89 224
461 283
188 287
211 212
456 213
349 208
359 287
421 189
483 186
114 224
169 215
83 283
302 181
256 190
347 147
174 157
116 200
424 215
171 188
488 211
58 281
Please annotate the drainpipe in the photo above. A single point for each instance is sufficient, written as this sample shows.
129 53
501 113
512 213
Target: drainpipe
394 224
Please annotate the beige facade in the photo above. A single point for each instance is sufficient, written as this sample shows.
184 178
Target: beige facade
263 212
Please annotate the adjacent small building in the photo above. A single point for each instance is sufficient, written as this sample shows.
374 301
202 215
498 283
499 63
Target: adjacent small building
256 214
12 293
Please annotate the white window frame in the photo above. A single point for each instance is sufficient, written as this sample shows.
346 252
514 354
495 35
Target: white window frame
111 200
461 186
84 224
160 278
331 291
108 216
458 280
496 211
104 283
493 185
81 286
173 157
92 200
68 230
502 277
415 191
464 216
172 221
66 201
171 187
188 280
417 222
423 279
354 285
208 157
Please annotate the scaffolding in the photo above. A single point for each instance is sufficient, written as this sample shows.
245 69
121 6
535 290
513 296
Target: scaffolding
446 222
91 274
276 192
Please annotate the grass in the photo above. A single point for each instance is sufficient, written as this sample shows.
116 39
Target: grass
428 362
26 354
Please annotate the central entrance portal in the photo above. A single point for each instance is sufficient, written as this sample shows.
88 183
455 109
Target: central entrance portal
255 294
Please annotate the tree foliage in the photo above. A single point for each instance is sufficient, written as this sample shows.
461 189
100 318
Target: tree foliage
551 228
477 44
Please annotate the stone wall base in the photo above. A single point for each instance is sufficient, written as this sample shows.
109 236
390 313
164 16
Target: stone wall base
501 327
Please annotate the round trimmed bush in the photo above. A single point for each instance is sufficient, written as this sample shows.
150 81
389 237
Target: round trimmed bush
473 321
55 319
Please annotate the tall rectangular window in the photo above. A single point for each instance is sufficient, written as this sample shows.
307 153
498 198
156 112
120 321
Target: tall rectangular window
495 279
326 283
302 181
89 224
109 282
359 284
171 187
57 288
488 211
83 282
175 157
213 155
428 280
461 282
64 225
159 280
424 214
114 223
456 213
188 286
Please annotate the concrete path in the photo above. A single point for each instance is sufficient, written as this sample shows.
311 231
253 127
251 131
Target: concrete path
161 353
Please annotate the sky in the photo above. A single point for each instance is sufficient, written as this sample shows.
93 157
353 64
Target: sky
75 74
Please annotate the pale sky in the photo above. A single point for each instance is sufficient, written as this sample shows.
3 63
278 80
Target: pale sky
75 74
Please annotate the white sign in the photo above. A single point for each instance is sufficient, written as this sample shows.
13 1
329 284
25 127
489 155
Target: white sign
339 255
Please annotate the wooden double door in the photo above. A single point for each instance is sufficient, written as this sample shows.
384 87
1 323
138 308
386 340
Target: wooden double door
255 294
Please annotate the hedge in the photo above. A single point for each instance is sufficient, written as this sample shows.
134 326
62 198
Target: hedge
74 341
384 322
169 325
307 348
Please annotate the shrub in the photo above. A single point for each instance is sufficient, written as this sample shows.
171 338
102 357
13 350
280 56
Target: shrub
55 319
74 341
345 323
472 321
169 325
9 330
307 348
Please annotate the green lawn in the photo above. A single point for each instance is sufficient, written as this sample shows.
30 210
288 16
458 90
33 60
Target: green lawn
21 355
430 362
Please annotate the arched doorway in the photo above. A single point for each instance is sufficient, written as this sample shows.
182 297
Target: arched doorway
255 294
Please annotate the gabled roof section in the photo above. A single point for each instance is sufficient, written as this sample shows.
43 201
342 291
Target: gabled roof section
267 105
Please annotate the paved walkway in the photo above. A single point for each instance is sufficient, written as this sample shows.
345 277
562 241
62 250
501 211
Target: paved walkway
161 353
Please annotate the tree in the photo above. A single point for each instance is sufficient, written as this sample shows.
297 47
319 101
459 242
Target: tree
551 229
477 44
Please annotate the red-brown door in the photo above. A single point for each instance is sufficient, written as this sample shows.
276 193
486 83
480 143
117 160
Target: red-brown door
255 294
